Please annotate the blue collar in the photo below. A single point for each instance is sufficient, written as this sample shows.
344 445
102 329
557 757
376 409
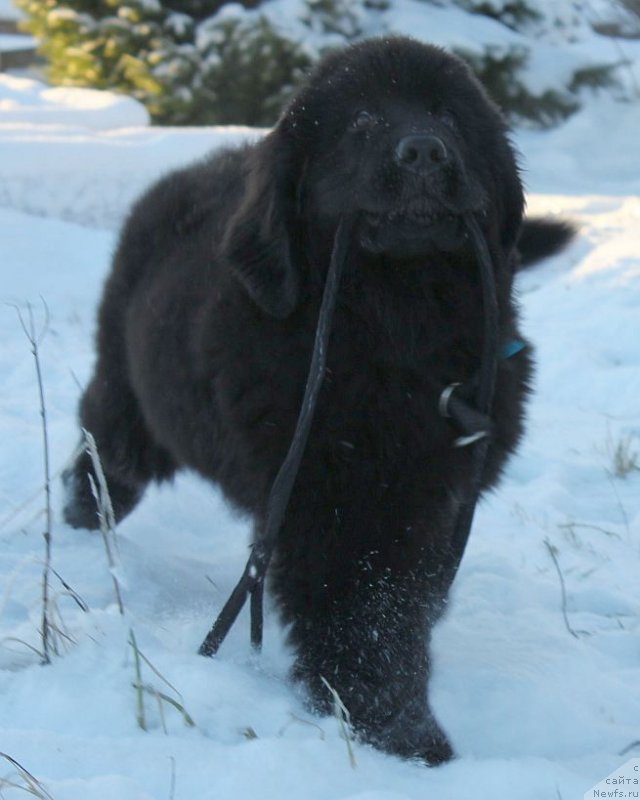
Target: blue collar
511 347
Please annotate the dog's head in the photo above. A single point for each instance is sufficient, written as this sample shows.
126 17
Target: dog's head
395 133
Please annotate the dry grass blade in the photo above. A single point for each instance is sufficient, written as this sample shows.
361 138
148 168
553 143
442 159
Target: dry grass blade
629 748
163 679
31 784
161 697
626 459
106 517
571 527
140 716
172 790
105 507
35 340
35 650
58 627
553 552
298 720
71 592
188 719
343 717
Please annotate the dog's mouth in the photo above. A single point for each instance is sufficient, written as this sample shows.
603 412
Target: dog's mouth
420 217
411 231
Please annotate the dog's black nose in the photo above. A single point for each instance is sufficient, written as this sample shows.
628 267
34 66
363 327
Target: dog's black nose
421 152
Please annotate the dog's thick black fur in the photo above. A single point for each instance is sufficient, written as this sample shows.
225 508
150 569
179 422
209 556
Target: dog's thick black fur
205 335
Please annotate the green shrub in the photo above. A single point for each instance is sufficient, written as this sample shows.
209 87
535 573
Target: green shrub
247 71
195 62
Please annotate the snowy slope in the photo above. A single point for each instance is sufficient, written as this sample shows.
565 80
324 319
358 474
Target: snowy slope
539 705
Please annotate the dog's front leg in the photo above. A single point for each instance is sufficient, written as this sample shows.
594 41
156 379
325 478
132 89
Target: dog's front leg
361 620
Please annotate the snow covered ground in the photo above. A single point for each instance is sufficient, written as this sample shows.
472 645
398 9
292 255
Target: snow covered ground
8 10
539 704
16 42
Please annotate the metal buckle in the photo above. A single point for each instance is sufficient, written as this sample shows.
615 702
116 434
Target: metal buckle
443 402
465 441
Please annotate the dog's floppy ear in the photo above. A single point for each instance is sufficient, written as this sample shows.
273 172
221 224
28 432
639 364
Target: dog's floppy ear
257 243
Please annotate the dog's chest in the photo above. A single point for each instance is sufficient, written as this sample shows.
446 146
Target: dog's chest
382 388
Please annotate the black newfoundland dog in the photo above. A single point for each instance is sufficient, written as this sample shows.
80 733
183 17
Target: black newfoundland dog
206 330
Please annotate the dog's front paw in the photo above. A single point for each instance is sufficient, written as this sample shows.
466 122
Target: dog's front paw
410 731
423 740
437 751
434 748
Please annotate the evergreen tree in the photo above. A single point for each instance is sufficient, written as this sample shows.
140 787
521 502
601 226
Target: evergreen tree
502 70
248 71
205 61
138 47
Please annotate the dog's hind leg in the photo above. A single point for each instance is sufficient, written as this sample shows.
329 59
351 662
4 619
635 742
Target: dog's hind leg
110 411
129 458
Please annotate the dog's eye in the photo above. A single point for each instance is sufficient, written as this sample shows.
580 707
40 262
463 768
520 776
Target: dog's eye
447 118
363 121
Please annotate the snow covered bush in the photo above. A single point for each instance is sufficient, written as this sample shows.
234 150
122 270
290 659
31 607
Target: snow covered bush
211 61
139 48
503 68
247 71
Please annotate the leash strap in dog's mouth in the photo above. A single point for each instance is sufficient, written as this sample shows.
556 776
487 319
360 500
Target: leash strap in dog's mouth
476 420
252 580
